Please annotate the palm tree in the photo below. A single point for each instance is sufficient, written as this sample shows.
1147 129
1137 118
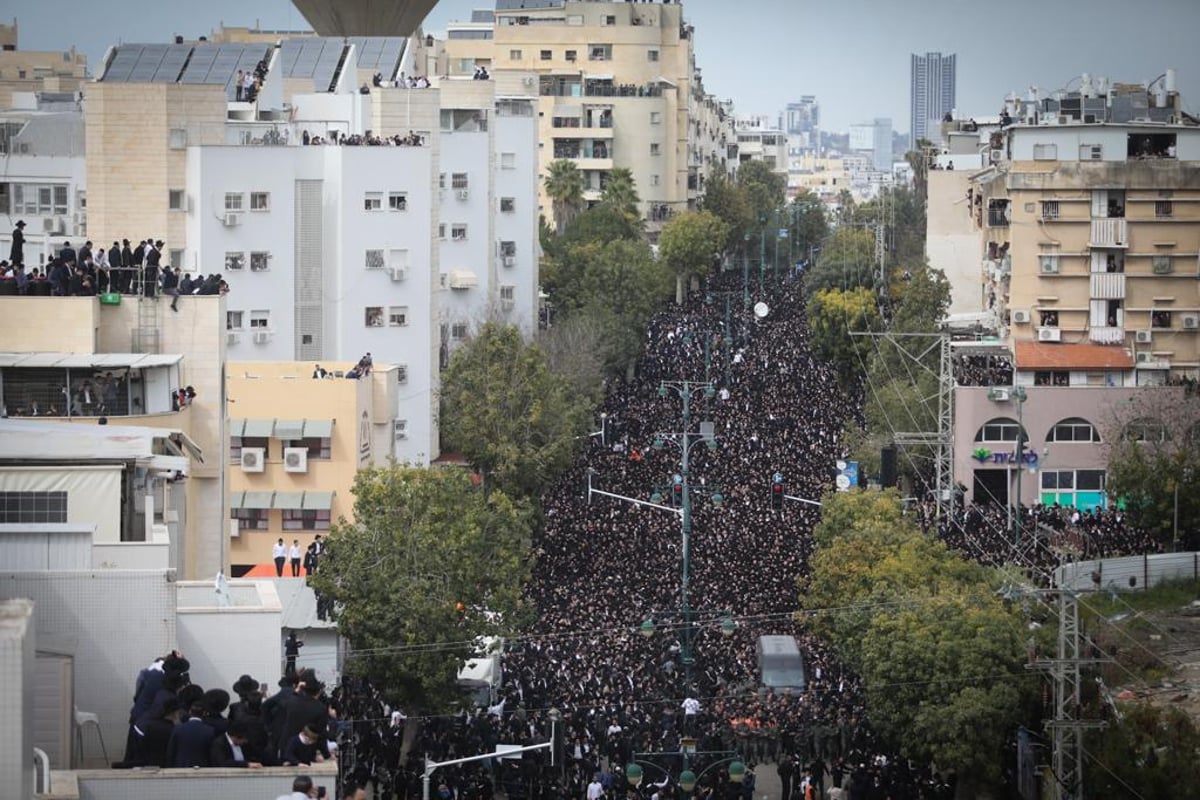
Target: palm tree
564 187
620 191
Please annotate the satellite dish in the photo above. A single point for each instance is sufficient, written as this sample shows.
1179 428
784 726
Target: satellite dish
843 482
761 310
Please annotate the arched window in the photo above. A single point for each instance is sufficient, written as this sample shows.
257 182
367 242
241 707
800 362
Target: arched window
1145 429
1073 429
1000 429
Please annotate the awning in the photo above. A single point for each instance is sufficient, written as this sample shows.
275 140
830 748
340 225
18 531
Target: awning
318 501
289 500
98 361
318 428
289 429
190 446
599 77
463 279
258 429
257 500
237 500
236 426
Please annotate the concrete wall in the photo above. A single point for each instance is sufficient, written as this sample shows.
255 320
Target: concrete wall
16 699
35 324
93 493
119 621
132 555
1115 573
189 784
223 643
952 244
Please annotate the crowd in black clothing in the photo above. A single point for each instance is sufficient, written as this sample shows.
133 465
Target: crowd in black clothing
92 270
604 567
367 139
983 370
1041 538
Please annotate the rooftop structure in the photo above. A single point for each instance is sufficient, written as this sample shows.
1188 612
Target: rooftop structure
364 17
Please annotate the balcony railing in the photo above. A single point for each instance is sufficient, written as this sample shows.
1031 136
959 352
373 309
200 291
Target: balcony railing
1106 334
1109 232
1108 286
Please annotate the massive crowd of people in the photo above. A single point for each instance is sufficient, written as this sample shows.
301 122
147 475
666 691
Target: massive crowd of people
983 370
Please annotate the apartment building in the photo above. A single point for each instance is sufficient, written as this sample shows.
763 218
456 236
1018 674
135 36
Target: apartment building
298 433
1090 219
55 72
759 140
616 86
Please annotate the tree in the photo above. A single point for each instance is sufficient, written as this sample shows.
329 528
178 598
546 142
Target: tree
847 261
512 418
727 200
765 190
690 244
575 350
808 223
1154 462
620 191
430 562
1149 752
832 316
564 187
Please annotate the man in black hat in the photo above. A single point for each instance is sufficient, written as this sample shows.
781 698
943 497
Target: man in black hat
150 275
305 708
17 254
275 709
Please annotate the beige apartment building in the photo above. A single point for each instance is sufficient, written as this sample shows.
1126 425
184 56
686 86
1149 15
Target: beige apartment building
51 71
618 87
296 441
1090 218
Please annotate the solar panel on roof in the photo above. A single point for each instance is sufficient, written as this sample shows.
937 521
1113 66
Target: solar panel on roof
172 64
122 63
199 65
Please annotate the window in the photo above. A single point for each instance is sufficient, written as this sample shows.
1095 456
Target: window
177 200
260 319
1145 429
33 507
458 232
600 52
571 55
508 161
442 231
400 429
514 55
508 249
250 519
608 19
295 519
402 374
1091 152
1045 152
374 259
233 201
1162 265
260 261
998 213
655 149
31 198
1000 429
317 447
656 118
235 261
1163 209
1084 489
236 443
373 201
260 201
459 181
458 331
373 317
546 55
441 180
233 320
175 257
1073 429
652 55
1049 209
508 205
397 201
655 180
507 292
1151 145
1052 378
1160 319
398 318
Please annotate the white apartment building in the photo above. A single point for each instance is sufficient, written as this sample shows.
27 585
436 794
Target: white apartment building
759 140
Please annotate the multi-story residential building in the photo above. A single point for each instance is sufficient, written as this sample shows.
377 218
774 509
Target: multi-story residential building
874 137
53 72
618 87
932 92
802 123
759 140
296 441
1091 227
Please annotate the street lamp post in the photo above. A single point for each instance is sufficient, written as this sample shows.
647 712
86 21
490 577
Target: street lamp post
1020 396
746 272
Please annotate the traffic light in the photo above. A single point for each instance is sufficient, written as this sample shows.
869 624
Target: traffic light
776 494
677 495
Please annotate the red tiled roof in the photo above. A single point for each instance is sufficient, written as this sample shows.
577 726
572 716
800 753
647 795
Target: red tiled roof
1047 355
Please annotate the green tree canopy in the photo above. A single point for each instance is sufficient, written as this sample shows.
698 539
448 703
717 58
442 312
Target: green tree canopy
832 316
690 244
727 200
1150 752
765 190
511 417
620 191
564 187
846 261
430 562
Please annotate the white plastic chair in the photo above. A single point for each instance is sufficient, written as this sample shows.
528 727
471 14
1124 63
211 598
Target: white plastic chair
83 718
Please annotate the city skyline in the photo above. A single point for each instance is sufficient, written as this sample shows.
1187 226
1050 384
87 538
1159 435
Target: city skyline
855 74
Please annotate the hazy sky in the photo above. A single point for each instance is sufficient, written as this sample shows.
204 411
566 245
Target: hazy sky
852 54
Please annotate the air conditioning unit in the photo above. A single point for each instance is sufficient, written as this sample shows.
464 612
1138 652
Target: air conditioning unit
400 429
464 194
295 459
1143 337
1020 317
262 337
235 530
1049 335
998 395
1191 321
1049 266
231 219
1145 358
997 155
232 338
254 459
529 80
510 261
399 273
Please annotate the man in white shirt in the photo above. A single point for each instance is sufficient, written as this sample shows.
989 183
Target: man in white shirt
279 554
691 707
595 789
